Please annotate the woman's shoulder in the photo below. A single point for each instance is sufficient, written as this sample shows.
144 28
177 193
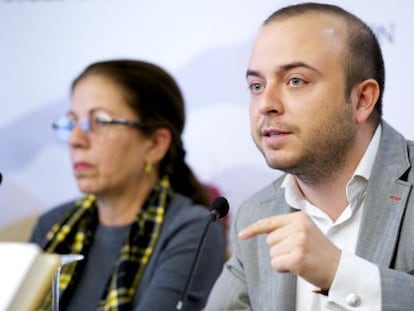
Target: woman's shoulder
47 220
182 207
183 215
55 213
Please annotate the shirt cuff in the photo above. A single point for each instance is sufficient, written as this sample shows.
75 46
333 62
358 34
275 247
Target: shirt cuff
356 286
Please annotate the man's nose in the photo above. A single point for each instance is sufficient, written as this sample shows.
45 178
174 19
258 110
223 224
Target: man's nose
271 102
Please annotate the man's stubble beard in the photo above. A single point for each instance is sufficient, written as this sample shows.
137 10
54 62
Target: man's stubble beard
324 151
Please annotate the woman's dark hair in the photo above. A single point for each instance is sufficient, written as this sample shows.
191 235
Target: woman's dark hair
363 56
156 98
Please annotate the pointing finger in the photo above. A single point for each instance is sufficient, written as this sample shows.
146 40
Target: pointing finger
263 226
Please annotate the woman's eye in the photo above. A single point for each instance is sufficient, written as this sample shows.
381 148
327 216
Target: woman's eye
99 121
99 117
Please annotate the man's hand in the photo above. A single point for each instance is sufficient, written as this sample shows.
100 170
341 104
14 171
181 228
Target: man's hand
297 245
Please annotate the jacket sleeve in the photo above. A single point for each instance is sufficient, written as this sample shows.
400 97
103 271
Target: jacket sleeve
230 290
397 290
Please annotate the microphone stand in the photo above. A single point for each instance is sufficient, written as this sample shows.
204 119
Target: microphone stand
64 260
212 217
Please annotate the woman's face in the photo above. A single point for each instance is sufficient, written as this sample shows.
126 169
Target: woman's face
111 159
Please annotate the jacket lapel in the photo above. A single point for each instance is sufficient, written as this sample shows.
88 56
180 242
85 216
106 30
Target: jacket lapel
387 195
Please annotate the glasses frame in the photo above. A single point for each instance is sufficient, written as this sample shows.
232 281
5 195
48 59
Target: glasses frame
86 123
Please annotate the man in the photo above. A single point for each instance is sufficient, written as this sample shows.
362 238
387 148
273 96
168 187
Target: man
335 232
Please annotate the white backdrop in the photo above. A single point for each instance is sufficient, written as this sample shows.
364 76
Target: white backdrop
205 45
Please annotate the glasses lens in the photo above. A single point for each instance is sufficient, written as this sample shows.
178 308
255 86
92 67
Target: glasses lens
63 128
99 121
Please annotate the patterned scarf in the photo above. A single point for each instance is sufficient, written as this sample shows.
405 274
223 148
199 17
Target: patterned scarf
74 235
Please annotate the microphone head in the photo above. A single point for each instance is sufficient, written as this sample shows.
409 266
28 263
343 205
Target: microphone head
219 208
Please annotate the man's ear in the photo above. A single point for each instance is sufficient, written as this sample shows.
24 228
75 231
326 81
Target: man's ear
365 95
160 143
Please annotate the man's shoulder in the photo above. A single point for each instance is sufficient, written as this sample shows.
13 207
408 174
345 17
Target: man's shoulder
267 201
395 153
268 193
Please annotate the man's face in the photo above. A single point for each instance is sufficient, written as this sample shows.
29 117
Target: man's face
300 117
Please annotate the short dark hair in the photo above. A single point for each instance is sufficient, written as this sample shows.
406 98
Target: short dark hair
363 58
155 97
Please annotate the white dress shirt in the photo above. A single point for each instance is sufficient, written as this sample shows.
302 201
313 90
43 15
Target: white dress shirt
357 284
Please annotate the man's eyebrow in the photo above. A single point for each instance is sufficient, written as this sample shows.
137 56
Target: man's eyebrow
284 68
293 65
254 73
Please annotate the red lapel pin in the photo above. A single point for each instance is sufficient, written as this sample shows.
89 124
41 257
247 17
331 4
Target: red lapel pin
395 197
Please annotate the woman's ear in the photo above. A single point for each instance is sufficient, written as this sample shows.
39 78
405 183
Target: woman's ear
365 95
160 143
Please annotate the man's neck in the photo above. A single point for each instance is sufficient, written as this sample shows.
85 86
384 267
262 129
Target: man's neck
329 194
329 197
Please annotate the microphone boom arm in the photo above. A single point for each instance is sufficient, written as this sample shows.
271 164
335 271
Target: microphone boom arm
194 264
219 208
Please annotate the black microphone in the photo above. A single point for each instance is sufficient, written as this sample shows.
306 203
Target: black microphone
219 208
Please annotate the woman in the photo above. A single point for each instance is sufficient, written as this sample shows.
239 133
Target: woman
141 218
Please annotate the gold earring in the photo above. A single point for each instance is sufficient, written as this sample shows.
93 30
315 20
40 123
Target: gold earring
148 169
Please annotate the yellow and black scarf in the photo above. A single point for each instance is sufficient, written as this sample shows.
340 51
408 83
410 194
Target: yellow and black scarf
74 235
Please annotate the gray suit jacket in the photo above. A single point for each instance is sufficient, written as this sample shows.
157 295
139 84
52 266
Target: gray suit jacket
386 238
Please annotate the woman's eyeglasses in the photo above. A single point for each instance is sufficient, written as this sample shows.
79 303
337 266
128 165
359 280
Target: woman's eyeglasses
97 123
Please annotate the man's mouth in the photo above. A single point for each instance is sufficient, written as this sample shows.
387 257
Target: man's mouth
271 133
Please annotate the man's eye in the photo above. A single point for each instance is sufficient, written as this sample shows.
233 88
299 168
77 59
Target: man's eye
296 82
255 87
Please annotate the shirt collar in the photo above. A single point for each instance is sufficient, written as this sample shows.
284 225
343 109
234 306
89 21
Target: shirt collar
365 165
